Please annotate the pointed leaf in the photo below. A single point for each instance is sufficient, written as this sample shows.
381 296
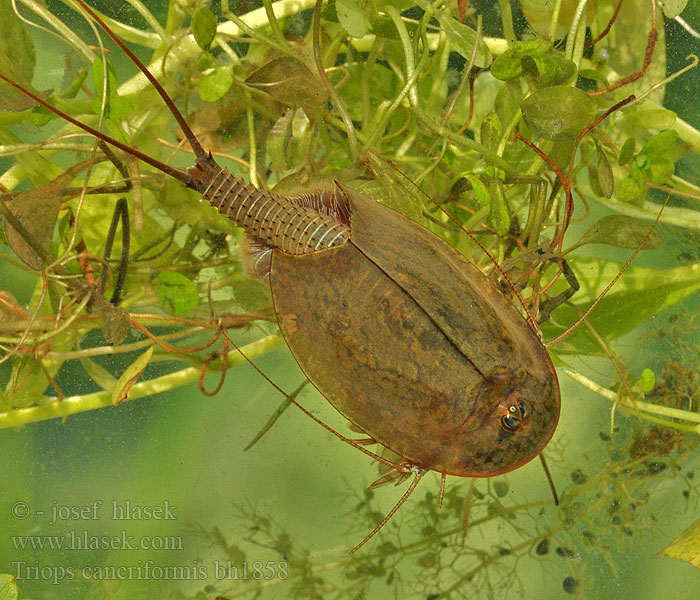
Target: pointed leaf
491 131
621 232
116 107
17 60
97 75
99 375
686 546
626 152
641 293
129 377
463 39
36 210
604 173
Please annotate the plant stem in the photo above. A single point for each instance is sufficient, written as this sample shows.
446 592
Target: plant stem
77 404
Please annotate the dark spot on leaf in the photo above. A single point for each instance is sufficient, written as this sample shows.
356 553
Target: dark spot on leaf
578 477
570 584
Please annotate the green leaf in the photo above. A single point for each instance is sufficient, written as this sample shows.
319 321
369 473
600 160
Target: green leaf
290 81
673 8
250 294
479 189
604 173
509 64
630 189
659 170
496 172
129 377
214 85
686 546
499 215
8 588
352 18
463 38
649 118
17 60
181 204
491 131
397 191
177 294
300 140
116 107
97 75
289 139
558 113
507 103
626 152
99 375
41 116
203 25
593 181
658 145
621 231
647 381
277 141
594 75
639 294
72 90
549 69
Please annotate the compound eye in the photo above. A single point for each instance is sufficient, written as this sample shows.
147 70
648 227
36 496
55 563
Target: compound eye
510 422
515 417
524 410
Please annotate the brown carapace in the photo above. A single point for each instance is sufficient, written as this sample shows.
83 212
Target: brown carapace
402 334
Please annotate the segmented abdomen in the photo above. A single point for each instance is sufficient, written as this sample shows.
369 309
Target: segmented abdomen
276 220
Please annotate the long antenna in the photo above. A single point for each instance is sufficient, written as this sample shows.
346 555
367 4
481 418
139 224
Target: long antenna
167 169
199 152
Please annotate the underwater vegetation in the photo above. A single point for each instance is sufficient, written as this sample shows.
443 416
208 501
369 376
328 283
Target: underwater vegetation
563 139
